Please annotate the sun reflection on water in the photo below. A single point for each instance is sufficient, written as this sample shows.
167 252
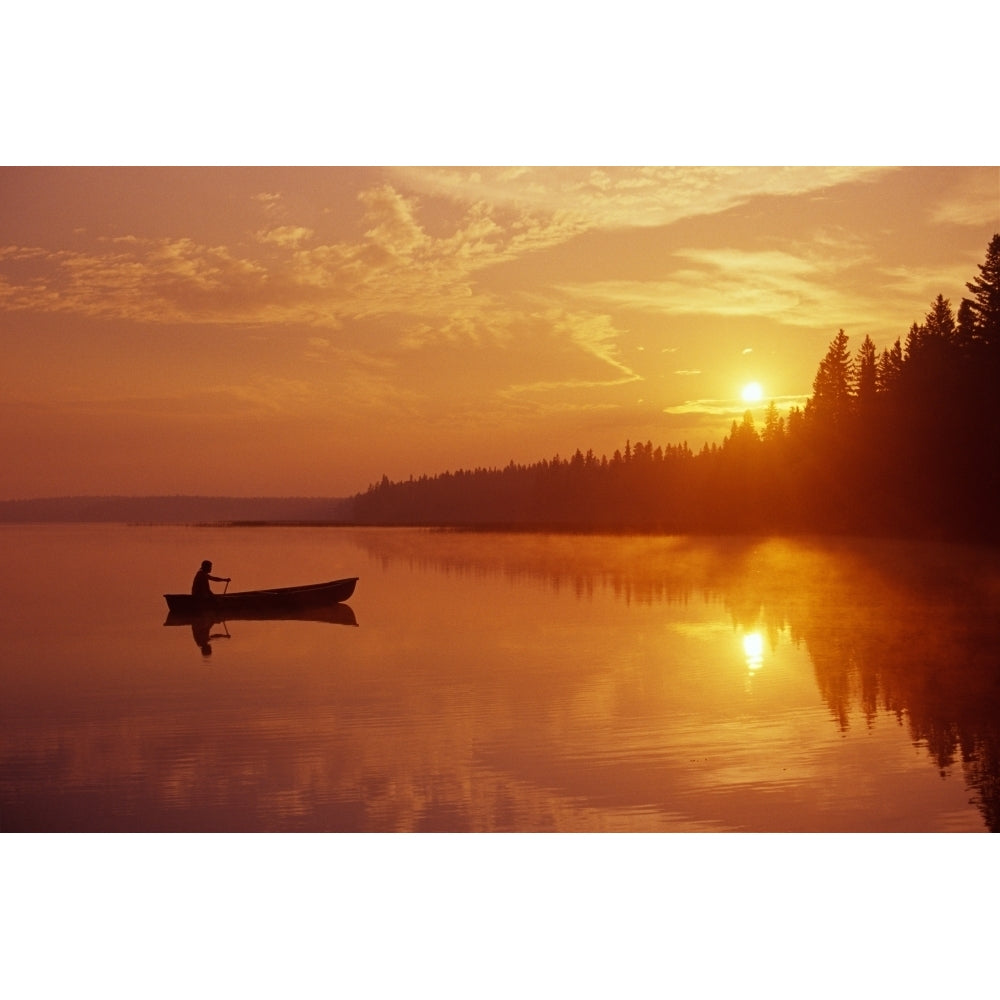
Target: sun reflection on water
753 650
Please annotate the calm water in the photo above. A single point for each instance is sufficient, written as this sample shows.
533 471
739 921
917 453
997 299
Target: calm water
500 682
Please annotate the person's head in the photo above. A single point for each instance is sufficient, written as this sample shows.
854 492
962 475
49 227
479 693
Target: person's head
206 565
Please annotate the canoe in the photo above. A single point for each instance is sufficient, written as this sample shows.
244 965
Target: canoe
260 601
333 614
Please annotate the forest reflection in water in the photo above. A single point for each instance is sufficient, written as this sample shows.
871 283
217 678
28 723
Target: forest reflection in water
909 631
503 682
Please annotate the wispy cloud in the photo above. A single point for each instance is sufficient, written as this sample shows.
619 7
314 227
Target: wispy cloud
732 407
596 336
974 200
528 388
617 197
788 287
285 236
258 398
286 275
268 201
913 289
430 276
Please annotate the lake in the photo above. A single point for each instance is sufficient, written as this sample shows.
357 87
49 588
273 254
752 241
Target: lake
500 682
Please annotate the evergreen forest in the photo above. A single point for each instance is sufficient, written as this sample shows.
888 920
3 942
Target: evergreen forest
902 442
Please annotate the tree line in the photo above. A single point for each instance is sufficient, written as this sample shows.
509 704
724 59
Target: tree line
905 441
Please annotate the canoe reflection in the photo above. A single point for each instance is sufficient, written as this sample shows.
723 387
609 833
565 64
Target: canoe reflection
202 624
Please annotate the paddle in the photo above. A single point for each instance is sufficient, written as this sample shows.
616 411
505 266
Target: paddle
225 635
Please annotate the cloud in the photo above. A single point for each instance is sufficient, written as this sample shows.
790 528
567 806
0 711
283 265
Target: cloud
268 201
788 287
731 407
257 398
151 281
285 236
912 289
974 201
394 227
423 268
430 277
595 335
627 197
559 385
284 275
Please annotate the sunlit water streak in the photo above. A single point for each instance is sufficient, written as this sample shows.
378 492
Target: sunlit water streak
499 682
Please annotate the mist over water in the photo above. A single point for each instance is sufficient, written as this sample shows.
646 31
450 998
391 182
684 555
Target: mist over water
492 682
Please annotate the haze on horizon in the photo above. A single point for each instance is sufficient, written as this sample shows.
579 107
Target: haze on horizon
303 331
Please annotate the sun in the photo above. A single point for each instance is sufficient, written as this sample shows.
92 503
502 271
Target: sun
752 392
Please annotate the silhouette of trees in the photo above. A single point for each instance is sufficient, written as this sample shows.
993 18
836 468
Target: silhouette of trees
868 383
906 442
834 388
984 307
890 367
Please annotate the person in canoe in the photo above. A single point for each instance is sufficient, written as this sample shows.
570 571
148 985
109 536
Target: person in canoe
200 588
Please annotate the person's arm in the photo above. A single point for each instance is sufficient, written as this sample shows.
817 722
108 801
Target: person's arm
221 579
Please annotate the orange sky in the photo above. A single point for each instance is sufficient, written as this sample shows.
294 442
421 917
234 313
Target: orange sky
302 331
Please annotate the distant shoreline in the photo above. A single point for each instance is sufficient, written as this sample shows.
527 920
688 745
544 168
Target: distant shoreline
293 512
622 531
176 510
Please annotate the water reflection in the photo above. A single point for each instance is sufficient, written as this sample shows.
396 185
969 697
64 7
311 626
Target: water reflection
201 631
912 631
753 650
503 682
202 624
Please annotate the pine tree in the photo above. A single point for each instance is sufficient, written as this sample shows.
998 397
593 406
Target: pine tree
966 332
931 353
774 425
834 385
985 302
940 322
890 367
867 369
914 342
